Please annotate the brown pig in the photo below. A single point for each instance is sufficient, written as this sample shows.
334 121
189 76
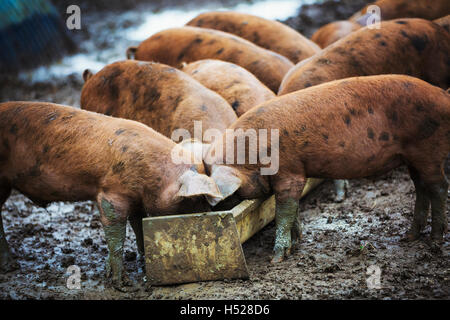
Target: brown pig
345 129
332 32
188 44
414 47
157 95
51 153
394 9
239 87
269 34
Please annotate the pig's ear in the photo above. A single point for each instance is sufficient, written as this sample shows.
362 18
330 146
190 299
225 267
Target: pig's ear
87 74
131 53
194 184
228 181
198 148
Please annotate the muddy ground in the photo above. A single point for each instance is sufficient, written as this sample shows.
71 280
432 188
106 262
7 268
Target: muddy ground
340 240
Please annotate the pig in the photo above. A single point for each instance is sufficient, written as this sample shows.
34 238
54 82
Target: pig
332 32
240 88
160 96
414 47
269 34
394 9
189 44
345 129
50 152
444 22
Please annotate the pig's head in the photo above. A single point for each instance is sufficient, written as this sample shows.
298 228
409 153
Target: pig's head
189 192
227 179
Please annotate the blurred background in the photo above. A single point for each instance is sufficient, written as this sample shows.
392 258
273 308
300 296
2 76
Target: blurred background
37 46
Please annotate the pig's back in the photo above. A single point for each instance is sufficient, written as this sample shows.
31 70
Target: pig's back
355 120
68 151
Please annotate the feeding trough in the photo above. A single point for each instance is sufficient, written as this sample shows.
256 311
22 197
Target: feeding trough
205 246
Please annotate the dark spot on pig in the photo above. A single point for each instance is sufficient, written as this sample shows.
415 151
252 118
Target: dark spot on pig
401 22
370 133
285 133
305 144
342 144
150 97
235 105
195 72
255 62
352 111
308 84
370 110
393 116
119 132
303 127
371 158
200 22
325 137
45 149
427 128
220 51
135 95
211 42
384 136
124 149
51 117
35 170
118 167
188 47
323 61
347 120
382 43
419 107
256 37
419 43
297 133
13 129
377 35
204 108
395 137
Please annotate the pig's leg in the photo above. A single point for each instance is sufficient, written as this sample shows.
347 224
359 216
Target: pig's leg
136 224
287 195
7 262
340 187
296 231
113 215
421 206
438 196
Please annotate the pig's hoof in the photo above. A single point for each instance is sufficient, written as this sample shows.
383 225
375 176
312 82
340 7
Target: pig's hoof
279 255
411 236
8 265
